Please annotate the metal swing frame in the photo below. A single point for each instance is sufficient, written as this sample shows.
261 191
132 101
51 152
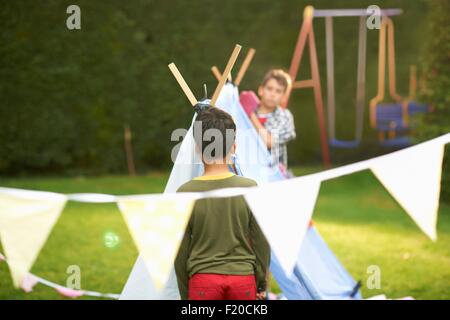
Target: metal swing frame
360 88
307 34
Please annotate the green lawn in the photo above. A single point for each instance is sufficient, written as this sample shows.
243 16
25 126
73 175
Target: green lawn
360 221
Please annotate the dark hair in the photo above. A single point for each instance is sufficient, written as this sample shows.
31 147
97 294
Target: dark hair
280 76
217 122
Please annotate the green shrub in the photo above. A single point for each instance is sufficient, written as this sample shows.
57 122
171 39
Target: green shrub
66 95
436 83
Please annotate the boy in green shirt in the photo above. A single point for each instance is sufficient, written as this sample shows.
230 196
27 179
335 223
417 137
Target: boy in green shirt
224 254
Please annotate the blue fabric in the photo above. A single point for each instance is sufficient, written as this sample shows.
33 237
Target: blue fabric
344 144
317 274
398 142
415 107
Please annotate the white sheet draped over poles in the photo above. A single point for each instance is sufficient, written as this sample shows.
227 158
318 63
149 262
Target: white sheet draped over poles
412 176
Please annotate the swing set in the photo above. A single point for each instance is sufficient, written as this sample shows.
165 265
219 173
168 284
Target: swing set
389 119
392 119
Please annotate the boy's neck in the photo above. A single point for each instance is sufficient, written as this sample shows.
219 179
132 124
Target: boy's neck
265 109
215 169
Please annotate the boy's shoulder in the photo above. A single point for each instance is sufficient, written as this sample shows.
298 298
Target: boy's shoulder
284 112
235 181
245 182
187 186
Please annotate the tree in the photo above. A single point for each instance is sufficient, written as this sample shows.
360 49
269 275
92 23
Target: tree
436 83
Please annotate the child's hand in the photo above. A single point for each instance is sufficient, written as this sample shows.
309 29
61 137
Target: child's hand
261 295
249 101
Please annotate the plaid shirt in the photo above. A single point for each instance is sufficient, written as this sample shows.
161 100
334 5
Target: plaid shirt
280 124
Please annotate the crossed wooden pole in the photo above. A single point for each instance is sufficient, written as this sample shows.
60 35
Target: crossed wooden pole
240 75
223 78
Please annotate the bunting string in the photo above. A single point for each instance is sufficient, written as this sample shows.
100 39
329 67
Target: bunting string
32 280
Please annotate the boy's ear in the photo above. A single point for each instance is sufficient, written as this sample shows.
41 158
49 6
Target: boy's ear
287 92
230 154
233 148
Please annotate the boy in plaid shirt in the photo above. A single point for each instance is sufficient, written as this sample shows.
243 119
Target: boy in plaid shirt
274 123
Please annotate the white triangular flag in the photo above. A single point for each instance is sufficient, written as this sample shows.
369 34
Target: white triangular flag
157 224
283 211
412 176
26 220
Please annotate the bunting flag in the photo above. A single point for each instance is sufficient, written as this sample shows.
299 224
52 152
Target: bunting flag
157 225
28 283
26 220
412 176
283 211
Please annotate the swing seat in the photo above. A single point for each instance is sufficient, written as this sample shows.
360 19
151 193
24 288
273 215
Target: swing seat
415 107
389 117
403 141
344 144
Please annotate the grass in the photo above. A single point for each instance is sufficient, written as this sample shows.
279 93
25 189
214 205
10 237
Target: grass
360 221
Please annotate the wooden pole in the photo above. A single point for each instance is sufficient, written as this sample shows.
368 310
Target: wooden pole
307 33
187 91
318 99
299 48
218 75
216 72
129 151
248 59
412 82
226 73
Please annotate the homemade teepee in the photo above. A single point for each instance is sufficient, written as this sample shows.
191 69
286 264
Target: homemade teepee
317 274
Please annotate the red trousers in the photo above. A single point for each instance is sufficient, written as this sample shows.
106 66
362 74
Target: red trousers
209 286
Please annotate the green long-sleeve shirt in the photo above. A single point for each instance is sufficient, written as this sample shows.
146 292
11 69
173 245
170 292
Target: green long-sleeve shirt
222 235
